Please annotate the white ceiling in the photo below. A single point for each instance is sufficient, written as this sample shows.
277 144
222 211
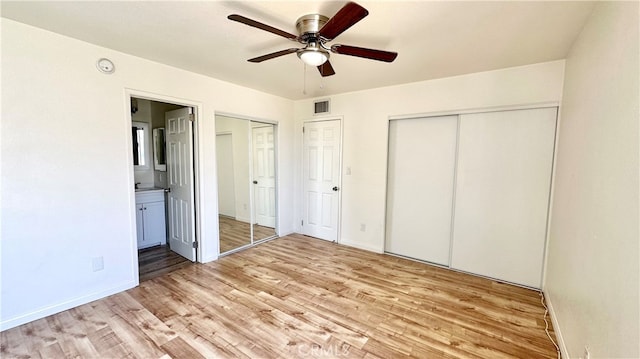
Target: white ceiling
434 39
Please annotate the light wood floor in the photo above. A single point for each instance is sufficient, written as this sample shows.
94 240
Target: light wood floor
297 297
235 234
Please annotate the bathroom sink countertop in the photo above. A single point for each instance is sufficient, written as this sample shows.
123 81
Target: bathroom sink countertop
149 189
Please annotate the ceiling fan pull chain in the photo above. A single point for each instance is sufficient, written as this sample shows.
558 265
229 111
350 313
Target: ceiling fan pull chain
304 78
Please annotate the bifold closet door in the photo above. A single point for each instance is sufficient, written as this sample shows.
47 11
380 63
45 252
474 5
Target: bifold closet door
420 187
503 180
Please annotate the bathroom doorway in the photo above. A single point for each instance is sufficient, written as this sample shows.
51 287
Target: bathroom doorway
163 155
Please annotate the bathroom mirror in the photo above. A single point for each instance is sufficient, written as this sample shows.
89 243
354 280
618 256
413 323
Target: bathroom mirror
140 138
159 158
246 182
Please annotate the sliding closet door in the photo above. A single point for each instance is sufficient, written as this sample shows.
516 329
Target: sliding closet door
420 187
502 193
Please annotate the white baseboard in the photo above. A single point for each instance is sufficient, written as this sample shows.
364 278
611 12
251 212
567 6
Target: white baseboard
285 232
366 247
60 307
209 259
556 327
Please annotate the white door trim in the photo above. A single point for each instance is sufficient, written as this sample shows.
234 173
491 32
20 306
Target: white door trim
198 169
301 133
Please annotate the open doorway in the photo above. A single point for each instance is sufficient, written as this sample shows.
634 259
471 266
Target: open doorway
163 161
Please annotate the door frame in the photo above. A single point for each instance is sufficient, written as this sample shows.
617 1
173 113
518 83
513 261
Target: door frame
323 119
197 167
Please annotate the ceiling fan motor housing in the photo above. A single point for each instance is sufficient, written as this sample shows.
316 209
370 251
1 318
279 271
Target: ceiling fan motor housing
309 25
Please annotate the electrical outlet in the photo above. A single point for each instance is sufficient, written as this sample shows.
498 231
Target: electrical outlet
97 263
363 227
586 355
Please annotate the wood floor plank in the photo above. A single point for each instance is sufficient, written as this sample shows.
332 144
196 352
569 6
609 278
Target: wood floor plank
72 339
297 297
124 306
129 336
51 351
14 345
40 334
108 344
178 348
210 346
225 317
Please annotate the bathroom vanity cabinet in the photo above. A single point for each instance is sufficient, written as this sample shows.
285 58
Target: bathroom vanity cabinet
150 218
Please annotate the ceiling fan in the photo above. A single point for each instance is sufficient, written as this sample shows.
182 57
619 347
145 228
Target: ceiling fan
315 31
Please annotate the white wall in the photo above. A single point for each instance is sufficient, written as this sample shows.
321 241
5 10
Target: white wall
366 113
67 178
593 261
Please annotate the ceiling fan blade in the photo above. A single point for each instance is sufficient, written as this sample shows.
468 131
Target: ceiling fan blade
261 26
273 55
342 20
380 55
326 69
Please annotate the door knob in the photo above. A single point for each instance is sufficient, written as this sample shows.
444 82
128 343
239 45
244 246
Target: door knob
335 188
255 182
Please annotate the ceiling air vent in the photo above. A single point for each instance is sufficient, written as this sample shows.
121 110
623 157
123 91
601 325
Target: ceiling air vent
321 107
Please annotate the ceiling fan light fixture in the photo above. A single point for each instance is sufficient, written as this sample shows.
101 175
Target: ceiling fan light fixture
313 56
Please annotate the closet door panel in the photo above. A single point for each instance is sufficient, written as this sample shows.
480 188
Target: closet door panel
502 194
420 187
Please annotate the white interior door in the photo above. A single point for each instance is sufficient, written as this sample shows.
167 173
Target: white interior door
502 193
179 142
420 187
321 179
264 176
226 178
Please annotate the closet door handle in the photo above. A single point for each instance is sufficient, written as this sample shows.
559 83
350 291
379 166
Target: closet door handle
335 188
255 182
